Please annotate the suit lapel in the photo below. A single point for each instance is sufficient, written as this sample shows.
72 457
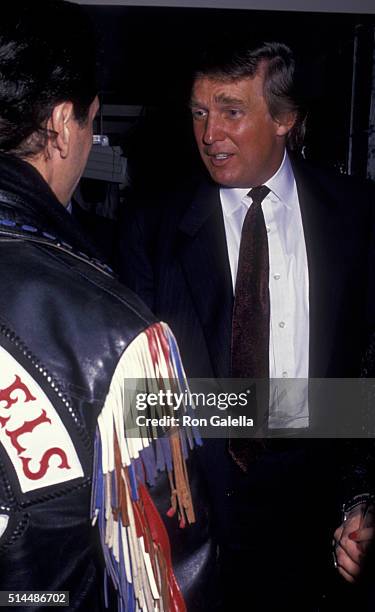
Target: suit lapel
204 259
320 216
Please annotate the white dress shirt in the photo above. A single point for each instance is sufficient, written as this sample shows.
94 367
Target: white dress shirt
288 285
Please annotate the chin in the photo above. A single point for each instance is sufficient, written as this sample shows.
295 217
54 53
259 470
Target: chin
230 183
222 179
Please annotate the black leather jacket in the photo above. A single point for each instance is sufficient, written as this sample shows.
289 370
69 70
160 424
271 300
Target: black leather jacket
66 321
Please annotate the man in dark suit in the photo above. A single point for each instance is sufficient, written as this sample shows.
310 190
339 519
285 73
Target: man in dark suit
185 257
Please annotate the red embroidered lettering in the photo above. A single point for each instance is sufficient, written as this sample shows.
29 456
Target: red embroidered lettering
3 421
44 463
5 394
27 427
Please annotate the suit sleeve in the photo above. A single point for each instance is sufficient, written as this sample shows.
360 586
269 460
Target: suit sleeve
358 464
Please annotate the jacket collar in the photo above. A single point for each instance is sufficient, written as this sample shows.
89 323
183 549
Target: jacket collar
204 258
204 204
25 196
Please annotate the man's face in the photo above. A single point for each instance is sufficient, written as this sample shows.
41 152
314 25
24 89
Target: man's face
239 142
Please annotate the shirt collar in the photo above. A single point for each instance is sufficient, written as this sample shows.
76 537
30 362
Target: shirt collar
281 184
233 198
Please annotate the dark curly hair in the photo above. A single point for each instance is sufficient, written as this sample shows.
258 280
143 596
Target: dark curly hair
47 56
229 61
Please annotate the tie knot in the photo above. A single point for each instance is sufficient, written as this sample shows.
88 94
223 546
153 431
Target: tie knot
257 194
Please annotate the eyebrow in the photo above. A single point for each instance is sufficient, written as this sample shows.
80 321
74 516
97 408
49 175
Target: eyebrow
224 99
220 99
195 104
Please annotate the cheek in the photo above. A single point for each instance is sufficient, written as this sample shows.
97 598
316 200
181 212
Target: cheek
88 144
196 132
256 143
244 138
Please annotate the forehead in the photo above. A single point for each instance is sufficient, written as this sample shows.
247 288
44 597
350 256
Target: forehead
220 91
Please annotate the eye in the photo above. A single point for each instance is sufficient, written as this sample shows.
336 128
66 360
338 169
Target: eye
198 114
233 113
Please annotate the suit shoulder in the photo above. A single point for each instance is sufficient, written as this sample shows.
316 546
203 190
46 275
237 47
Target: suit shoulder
338 185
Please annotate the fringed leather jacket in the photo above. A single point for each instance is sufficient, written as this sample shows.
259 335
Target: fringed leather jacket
71 339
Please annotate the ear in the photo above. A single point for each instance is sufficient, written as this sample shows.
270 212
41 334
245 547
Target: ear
284 123
61 124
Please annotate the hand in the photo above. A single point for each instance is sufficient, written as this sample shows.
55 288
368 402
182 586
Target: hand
352 540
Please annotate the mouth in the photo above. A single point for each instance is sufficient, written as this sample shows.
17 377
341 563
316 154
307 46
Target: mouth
219 159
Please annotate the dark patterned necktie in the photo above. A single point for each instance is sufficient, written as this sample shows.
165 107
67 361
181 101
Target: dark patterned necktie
250 325
251 311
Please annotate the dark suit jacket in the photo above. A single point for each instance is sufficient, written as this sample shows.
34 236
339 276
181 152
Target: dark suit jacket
173 254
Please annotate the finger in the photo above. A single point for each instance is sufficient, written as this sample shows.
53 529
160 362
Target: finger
345 575
338 533
349 555
349 546
352 524
349 567
362 535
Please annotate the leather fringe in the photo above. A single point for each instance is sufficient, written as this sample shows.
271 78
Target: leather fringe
133 537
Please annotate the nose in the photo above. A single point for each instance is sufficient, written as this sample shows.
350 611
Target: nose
212 131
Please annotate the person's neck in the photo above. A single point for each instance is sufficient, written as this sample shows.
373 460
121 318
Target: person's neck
46 168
